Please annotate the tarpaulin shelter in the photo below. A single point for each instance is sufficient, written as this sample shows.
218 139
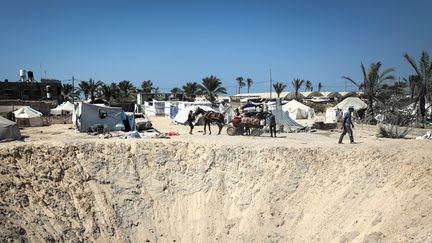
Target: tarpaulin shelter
356 102
87 115
282 118
182 115
63 109
28 116
298 110
8 130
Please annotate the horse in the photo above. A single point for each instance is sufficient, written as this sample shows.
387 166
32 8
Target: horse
209 117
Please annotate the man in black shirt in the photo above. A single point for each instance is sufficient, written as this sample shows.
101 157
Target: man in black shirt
190 120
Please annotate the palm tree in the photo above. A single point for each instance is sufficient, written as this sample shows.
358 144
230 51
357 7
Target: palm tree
372 82
93 87
240 83
422 83
147 86
249 83
308 86
84 88
67 91
191 90
319 87
110 91
127 91
175 91
297 83
212 87
279 88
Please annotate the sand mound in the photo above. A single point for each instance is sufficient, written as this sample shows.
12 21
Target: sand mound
142 191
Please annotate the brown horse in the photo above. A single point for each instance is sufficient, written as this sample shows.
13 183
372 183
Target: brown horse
209 117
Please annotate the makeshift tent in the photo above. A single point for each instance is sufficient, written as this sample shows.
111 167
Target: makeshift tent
357 103
87 115
298 110
8 130
282 118
182 115
333 115
28 116
63 109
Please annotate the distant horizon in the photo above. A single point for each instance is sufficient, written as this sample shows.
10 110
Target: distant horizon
172 43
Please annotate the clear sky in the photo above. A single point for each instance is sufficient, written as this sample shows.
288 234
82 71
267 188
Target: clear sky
174 42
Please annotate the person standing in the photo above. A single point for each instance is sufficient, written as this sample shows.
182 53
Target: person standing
272 124
190 121
347 124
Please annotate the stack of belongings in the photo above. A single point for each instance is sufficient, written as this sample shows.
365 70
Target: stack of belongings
250 120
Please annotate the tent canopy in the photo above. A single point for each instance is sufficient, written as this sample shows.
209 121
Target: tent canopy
27 112
65 108
87 115
182 114
354 101
298 110
282 118
8 130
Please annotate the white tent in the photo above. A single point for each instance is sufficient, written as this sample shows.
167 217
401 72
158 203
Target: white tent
298 110
354 101
87 115
28 116
8 130
182 114
333 115
63 109
282 118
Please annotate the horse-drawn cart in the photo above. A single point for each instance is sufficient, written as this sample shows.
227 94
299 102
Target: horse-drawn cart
245 126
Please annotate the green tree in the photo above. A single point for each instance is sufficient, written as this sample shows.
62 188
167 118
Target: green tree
147 86
93 87
422 83
319 87
127 91
212 87
191 90
176 91
240 83
279 88
67 91
83 87
308 86
373 79
249 83
110 92
297 83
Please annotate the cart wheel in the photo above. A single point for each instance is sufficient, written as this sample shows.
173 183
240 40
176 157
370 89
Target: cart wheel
255 132
231 131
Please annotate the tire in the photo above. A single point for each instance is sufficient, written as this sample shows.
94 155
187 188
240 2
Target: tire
231 131
255 132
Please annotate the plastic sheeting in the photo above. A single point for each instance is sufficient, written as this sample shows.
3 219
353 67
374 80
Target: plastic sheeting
8 130
87 115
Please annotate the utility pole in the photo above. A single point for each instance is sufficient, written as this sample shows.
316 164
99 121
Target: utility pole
73 89
270 85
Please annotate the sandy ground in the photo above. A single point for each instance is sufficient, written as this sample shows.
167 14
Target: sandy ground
58 185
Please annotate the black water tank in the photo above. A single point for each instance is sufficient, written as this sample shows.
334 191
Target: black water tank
30 75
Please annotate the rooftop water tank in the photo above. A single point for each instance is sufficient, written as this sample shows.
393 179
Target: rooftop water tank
22 74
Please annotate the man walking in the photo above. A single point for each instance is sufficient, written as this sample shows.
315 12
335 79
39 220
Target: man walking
272 124
346 125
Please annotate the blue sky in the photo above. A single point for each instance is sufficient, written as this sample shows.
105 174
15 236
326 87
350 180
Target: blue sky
174 42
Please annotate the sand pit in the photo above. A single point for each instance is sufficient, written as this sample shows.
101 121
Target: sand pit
298 188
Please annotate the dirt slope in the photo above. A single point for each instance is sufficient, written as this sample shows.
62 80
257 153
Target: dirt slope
176 191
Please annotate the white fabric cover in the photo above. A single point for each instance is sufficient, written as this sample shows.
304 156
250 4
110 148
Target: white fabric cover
87 115
182 115
65 108
29 117
298 110
354 101
8 130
